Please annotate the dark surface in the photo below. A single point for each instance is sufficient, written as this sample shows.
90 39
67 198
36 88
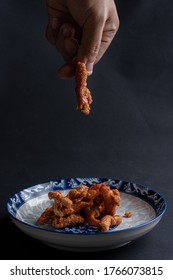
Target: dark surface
128 136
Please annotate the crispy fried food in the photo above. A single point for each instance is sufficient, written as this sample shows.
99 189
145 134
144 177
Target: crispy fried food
83 95
78 193
92 213
107 221
62 207
110 199
45 217
70 220
79 206
128 214
55 195
95 205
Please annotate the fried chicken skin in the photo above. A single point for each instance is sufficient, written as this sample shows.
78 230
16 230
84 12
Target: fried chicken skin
110 199
107 221
83 94
94 205
45 217
92 216
71 220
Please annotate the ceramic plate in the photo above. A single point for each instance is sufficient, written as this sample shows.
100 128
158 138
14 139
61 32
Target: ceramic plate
146 205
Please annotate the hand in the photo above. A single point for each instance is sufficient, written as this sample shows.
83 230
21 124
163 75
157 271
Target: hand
81 30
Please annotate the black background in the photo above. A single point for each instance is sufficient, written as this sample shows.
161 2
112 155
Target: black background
128 135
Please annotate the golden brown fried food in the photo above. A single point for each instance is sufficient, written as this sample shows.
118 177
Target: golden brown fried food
45 217
83 95
62 207
110 199
91 195
55 195
80 205
128 214
78 193
91 216
107 221
71 220
95 205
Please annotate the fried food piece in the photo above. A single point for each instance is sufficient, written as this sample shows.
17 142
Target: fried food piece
91 195
96 188
94 205
97 197
62 206
116 192
78 193
83 95
71 220
111 200
79 206
128 214
55 195
91 216
45 217
107 221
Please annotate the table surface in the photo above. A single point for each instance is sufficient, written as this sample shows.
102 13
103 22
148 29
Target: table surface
128 135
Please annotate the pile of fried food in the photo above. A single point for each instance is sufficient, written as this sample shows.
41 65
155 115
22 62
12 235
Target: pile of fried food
83 94
95 206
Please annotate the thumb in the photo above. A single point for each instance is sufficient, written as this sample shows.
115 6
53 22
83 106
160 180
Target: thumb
90 43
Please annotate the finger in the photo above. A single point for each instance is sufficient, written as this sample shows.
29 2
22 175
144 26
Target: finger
65 42
90 42
70 48
55 23
51 33
110 30
67 70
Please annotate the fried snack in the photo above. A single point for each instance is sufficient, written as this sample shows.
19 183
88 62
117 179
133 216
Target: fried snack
62 207
110 199
83 95
71 220
45 217
92 214
54 195
128 214
95 205
107 221
78 193
80 205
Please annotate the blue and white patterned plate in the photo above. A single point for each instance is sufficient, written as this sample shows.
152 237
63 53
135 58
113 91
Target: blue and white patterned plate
146 205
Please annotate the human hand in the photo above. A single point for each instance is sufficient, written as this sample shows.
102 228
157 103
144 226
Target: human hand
81 30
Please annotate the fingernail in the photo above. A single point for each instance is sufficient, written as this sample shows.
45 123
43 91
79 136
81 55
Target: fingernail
89 67
54 23
66 71
70 46
66 32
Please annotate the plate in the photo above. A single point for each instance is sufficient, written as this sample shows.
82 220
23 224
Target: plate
146 205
